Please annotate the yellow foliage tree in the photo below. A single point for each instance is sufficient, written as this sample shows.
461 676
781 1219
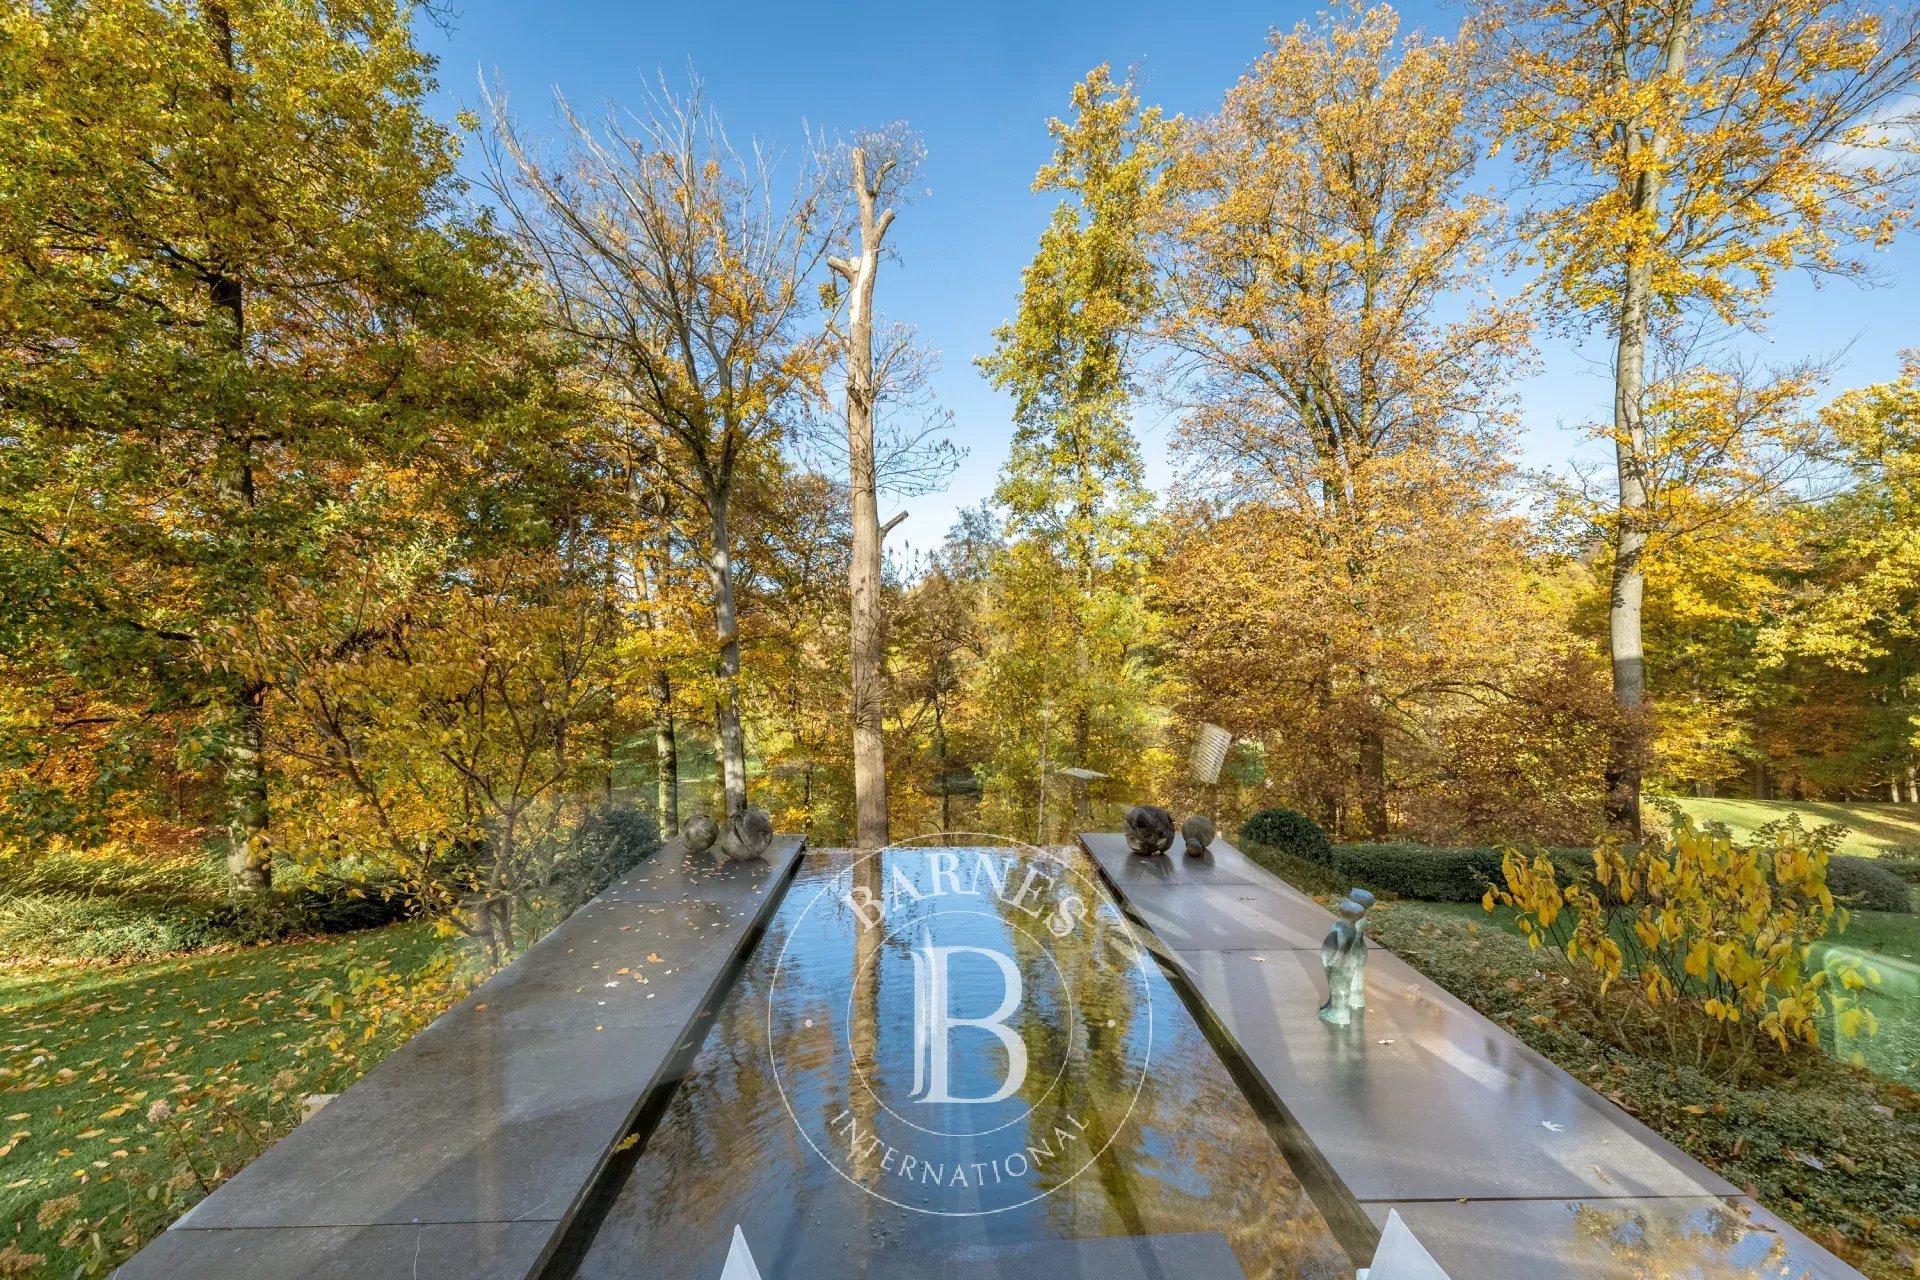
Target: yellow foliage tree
1685 153
1323 265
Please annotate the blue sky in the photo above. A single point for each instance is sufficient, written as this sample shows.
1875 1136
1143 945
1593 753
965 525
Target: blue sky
978 81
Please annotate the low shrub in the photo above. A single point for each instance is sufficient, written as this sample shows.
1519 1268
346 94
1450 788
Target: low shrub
43 925
1859 1193
1419 871
1432 873
37 926
1709 940
1289 831
609 842
1907 869
1868 884
117 875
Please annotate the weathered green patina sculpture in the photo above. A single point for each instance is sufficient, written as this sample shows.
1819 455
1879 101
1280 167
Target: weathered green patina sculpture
1343 955
700 833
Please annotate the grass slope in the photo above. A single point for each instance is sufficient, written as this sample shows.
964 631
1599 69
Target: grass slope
90 1168
1873 828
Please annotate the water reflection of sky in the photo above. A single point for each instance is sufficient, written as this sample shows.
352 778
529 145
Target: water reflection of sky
1180 1149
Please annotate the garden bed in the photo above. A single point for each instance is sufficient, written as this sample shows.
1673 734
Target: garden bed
1833 1149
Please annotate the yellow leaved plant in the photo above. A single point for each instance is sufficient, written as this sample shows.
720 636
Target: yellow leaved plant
1709 941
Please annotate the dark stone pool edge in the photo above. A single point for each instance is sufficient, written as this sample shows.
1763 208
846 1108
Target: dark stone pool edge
266 1240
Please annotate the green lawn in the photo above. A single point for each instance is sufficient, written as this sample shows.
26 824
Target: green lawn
1873 828
90 1167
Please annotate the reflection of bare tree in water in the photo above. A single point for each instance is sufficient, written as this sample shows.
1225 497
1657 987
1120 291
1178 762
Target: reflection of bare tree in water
1105 996
865 1032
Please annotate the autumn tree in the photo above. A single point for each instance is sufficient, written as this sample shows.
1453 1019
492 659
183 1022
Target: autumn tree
231 285
941 644
681 267
1845 626
1071 489
1684 155
1343 362
1734 457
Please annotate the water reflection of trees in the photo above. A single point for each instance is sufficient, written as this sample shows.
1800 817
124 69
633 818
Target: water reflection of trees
1192 1155
1191 1151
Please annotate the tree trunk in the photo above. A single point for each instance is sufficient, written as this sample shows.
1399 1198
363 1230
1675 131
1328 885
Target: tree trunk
652 584
868 676
733 744
666 755
1082 676
249 866
1373 782
243 747
1625 756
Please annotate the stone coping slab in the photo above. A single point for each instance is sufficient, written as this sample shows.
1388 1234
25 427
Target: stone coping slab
1503 1164
1415 1101
1196 1255
469 1147
1704 1237
1220 864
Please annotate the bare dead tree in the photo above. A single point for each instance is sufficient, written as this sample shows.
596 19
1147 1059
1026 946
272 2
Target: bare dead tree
879 168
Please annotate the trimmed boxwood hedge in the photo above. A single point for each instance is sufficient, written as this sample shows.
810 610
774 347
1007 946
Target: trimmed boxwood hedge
1433 874
1907 869
1866 884
1289 831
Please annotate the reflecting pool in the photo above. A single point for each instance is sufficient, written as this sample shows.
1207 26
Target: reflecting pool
951 1054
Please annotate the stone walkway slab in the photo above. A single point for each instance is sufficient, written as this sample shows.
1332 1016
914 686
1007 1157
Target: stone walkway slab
488 1127
1197 1255
1504 1165
1415 1101
1235 915
1699 1237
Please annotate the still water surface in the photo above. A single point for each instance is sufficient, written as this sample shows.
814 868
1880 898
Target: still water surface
800 1111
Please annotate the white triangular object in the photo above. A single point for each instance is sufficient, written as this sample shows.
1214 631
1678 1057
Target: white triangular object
739 1260
1400 1256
